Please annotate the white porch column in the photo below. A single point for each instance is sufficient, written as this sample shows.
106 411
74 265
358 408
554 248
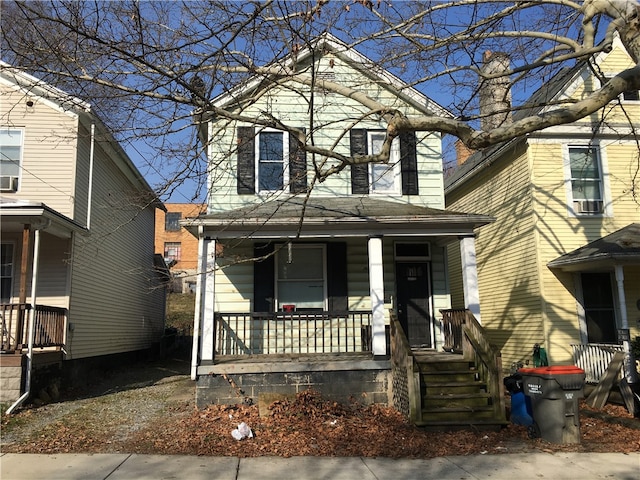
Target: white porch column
376 288
203 323
470 276
629 367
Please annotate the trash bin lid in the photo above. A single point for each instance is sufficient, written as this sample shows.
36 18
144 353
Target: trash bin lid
558 370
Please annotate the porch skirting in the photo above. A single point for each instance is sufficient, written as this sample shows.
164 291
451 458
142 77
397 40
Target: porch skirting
340 378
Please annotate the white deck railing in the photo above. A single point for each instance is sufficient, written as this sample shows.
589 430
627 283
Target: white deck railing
594 358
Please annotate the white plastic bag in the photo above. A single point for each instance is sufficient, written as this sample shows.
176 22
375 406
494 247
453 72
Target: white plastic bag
243 431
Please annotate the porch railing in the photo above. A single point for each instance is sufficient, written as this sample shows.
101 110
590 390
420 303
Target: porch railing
469 336
406 392
48 326
292 333
594 358
452 321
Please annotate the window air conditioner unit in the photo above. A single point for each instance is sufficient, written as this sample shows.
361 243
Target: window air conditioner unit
8 183
588 206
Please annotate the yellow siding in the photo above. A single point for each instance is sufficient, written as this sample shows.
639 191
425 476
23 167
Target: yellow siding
507 270
559 233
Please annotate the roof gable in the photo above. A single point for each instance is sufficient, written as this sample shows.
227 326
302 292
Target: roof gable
300 61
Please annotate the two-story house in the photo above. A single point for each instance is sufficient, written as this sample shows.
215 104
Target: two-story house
560 266
300 280
81 285
177 246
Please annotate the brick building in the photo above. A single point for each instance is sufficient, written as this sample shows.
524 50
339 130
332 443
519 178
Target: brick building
178 247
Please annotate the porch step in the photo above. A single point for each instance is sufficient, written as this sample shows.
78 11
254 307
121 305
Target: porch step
454 397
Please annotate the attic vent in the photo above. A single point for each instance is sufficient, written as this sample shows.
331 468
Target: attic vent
8 184
587 206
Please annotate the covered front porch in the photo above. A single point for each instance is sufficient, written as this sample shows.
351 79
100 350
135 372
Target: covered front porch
294 294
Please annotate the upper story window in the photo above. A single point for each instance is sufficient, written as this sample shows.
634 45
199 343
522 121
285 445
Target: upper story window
399 176
271 166
172 221
383 177
629 95
270 160
11 143
586 180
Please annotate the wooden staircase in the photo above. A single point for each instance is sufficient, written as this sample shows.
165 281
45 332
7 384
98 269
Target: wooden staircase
453 394
451 390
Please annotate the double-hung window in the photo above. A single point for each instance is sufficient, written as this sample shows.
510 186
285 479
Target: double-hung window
6 271
586 180
172 251
272 151
11 141
383 177
300 277
172 221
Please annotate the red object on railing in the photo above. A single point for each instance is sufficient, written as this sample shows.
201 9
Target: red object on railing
288 307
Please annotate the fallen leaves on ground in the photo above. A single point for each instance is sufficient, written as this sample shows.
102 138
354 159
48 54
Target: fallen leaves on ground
135 421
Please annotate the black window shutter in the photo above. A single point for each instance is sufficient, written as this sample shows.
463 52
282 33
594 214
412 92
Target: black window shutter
263 278
409 163
337 276
246 182
359 172
297 165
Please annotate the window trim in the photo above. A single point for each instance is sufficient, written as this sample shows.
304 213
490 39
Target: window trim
285 160
166 222
394 165
9 128
12 244
300 246
606 210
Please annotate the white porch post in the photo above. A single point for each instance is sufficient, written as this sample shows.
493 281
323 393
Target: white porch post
203 323
470 276
376 288
629 367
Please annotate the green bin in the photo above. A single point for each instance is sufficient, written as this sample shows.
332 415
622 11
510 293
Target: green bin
554 393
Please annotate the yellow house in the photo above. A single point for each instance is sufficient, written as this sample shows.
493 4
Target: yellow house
560 266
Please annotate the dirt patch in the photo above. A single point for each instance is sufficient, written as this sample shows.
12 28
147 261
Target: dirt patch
150 408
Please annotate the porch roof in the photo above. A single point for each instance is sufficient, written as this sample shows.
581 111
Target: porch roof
17 213
337 216
622 246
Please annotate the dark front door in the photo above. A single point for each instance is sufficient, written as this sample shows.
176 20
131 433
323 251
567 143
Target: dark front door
413 294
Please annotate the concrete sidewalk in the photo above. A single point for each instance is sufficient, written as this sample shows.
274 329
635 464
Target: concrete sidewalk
557 466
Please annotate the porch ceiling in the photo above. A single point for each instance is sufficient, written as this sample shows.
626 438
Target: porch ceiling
620 247
337 216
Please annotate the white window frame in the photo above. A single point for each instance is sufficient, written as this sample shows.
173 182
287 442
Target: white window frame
393 166
22 134
285 159
296 250
11 274
572 204
609 76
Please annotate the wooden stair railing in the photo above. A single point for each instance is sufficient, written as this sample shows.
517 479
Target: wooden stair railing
405 374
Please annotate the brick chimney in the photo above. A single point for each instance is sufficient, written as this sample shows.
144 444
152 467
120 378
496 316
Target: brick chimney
495 95
462 152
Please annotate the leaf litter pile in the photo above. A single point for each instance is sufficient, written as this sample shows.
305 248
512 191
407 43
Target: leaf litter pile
305 424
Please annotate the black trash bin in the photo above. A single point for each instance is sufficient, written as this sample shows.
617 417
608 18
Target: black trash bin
554 393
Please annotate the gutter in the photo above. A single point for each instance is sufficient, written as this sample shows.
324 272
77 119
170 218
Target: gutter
32 313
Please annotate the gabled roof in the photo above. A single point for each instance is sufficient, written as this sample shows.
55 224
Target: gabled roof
535 104
622 246
329 43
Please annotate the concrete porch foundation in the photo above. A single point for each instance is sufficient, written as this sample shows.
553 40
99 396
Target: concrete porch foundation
340 378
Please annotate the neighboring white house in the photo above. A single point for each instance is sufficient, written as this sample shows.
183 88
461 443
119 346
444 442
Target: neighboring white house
288 270
77 237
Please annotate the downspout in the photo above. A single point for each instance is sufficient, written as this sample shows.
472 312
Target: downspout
90 189
200 283
32 313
